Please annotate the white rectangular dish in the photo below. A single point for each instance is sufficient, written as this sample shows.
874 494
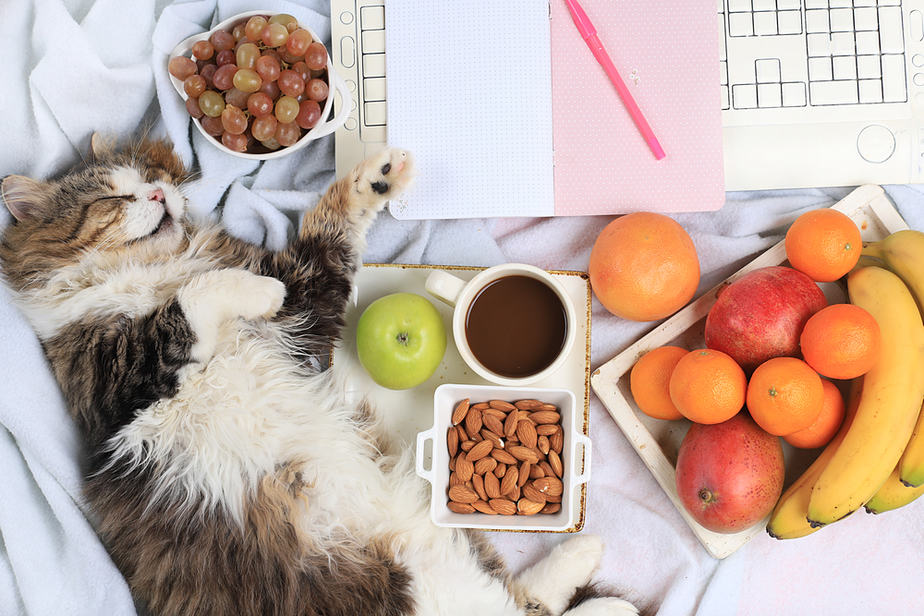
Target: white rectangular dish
657 441
408 412
575 473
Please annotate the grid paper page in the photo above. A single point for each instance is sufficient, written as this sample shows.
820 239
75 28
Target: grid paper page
469 95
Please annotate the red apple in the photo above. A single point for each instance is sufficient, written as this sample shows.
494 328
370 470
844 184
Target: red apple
761 315
730 474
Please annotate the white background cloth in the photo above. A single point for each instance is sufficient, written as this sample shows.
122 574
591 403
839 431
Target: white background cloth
72 67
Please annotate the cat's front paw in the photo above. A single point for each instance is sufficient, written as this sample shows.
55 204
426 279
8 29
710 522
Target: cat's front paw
260 297
381 177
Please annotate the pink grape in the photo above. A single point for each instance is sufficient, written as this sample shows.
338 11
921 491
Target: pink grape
224 76
274 35
309 112
225 56
290 83
181 67
192 108
267 67
271 89
254 28
259 104
264 127
234 142
298 42
317 90
238 32
203 50
236 97
233 120
316 56
207 72
221 40
287 134
194 85
212 126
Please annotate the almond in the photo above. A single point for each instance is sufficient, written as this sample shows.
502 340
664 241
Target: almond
524 454
553 499
556 441
485 465
555 463
501 455
466 445
510 425
460 412
509 481
488 435
533 494
464 468
478 484
528 507
545 417
542 444
526 432
460 507
500 470
549 485
492 423
528 404
491 485
484 507
546 429
452 441
551 508
454 479
545 406
463 435
503 506
473 421
535 472
523 473
546 468
480 406
452 463
487 411
501 405
461 494
513 494
480 450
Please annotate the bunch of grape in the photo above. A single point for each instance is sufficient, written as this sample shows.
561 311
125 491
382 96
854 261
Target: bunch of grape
258 87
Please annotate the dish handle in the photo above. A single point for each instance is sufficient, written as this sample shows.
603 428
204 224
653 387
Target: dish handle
584 477
422 438
339 86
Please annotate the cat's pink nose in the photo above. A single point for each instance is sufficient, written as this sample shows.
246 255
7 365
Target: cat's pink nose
156 195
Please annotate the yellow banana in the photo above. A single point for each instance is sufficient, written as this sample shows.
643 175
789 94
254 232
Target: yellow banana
903 253
889 404
788 520
911 466
892 495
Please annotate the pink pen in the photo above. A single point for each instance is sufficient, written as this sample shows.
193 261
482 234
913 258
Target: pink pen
589 34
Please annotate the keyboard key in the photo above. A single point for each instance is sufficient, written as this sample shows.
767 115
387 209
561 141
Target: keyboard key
374 65
375 113
819 45
868 67
724 72
723 54
820 69
372 18
740 24
373 41
841 20
769 95
890 29
739 5
764 5
765 24
870 91
845 67
790 22
785 5
374 89
794 94
894 88
744 96
842 44
816 21
833 92
865 19
725 101
768 71
839 3
816 4
867 43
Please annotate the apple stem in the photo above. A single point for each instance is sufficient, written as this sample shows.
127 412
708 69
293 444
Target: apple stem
705 495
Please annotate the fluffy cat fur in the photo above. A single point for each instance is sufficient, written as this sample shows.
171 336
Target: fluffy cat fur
227 475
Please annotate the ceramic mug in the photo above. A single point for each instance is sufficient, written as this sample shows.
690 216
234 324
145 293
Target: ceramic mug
463 295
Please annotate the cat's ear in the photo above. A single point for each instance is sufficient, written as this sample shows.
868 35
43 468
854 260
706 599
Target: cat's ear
23 196
102 145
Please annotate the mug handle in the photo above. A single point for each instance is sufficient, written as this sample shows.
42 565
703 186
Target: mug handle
444 286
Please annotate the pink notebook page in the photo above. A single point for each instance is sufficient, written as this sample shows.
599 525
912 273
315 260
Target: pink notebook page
602 163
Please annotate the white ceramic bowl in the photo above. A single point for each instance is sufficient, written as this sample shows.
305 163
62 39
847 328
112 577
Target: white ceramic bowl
576 468
324 127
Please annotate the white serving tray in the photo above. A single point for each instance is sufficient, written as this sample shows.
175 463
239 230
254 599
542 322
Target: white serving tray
407 412
657 441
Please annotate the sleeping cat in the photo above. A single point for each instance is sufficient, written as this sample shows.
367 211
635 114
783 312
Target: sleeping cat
225 473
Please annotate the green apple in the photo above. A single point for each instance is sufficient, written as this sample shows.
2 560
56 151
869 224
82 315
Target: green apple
400 340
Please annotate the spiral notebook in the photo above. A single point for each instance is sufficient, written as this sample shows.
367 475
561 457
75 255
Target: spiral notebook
508 114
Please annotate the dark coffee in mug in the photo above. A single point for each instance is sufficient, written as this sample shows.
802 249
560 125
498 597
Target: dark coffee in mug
516 326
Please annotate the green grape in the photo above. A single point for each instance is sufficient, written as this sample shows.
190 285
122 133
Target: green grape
254 28
286 20
211 103
286 109
247 80
274 35
246 55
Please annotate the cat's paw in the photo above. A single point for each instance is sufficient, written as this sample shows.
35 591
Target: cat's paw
553 580
259 296
603 606
379 178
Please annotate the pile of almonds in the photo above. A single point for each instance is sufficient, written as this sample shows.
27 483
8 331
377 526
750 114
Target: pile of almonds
505 457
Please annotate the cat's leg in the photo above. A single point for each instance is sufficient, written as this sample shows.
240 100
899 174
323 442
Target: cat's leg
603 606
213 297
553 581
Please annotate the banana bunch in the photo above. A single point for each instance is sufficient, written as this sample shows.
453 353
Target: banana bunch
883 432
